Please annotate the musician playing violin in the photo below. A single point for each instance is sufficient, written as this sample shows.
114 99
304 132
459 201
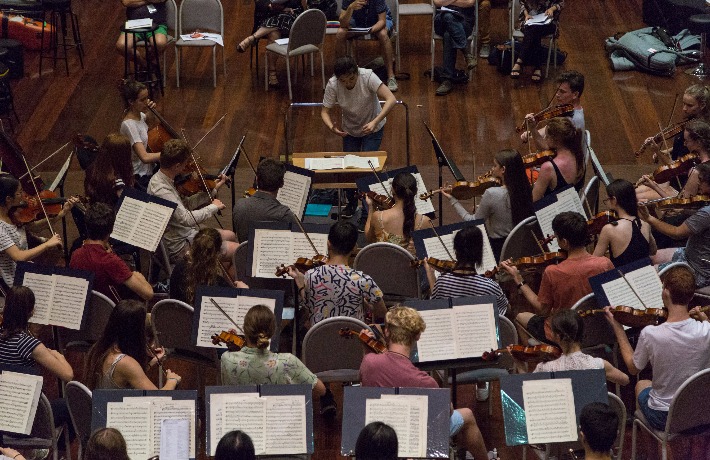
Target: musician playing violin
263 205
696 229
676 349
463 280
563 284
628 238
134 126
505 206
110 172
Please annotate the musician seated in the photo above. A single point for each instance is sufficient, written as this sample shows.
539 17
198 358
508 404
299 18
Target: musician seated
235 445
121 356
676 349
395 225
143 9
134 126
393 368
335 289
255 364
629 238
696 252
111 273
567 331
263 205
464 281
185 222
564 284
376 440
598 429
106 443
200 267
110 172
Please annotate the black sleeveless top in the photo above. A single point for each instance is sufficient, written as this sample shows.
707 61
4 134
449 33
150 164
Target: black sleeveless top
561 182
638 247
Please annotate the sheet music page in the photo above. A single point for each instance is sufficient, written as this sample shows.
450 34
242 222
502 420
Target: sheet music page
212 321
315 164
248 414
18 405
394 412
41 286
134 421
127 217
474 329
648 285
437 341
549 411
380 190
489 260
294 192
418 420
149 230
244 303
544 219
216 420
174 410
286 425
423 206
302 248
358 162
568 200
175 439
68 301
435 249
618 293
271 249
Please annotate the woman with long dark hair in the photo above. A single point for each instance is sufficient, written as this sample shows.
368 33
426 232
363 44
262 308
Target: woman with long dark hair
395 225
135 127
110 172
629 238
567 168
502 207
376 441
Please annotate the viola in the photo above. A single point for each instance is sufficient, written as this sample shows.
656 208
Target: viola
302 264
665 134
552 112
228 338
596 223
632 317
532 262
693 202
680 166
31 209
464 190
381 202
374 344
525 354
443 266
535 159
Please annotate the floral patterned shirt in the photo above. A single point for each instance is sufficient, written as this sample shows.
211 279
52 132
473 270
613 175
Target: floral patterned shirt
338 290
253 366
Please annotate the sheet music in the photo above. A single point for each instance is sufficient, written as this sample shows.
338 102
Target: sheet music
212 321
248 414
294 193
270 248
418 418
174 442
544 219
475 329
133 420
141 223
244 303
398 413
549 411
217 419
302 248
567 200
422 206
648 285
41 286
18 405
128 214
618 293
182 410
286 425
69 295
316 164
437 342
489 260
435 249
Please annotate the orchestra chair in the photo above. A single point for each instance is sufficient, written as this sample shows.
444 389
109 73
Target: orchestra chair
172 19
520 241
596 164
99 311
689 414
203 15
472 40
393 5
78 398
240 261
44 434
590 197
306 37
61 17
663 271
172 320
516 34
390 267
491 371
415 9
319 343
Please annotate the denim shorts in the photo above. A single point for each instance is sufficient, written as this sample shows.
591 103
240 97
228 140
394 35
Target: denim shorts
455 423
657 418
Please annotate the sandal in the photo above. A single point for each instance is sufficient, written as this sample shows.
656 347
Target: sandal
537 75
515 73
246 43
273 79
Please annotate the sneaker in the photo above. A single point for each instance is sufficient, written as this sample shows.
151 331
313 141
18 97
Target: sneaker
485 51
349 210
445 88
482 393
392 84
470 61
327 404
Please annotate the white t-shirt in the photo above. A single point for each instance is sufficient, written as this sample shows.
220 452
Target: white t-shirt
137 131
576 361
676 351
359 105
10 236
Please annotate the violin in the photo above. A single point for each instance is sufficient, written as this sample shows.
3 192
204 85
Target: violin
302 264
665 134
228 338
372 343
552 112
693 202
532 262
464 190
533 160
680 166
249 192
525 354
596 223
632 317
381 202
443 266
31 209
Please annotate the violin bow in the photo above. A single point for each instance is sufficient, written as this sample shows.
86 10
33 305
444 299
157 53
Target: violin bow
226 315
379 180
208 132
46 158
305 233
667 155
34 185
202 178
539 244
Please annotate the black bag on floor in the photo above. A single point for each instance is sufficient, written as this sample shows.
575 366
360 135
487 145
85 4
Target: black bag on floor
500 57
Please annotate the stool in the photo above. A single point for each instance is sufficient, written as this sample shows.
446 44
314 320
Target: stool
7 106
700 24
152 57
58 10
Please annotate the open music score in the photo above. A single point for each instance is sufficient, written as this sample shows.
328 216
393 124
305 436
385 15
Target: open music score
275 244
549 206
141 219
212 321
639 288
407 415
343 161
18 405
549 411
296 188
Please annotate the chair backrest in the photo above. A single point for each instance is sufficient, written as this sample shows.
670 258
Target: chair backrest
201 14
173 322
79 401
597 329
689 409
43 425
100 308
508 336
590 196
241 260
596 164
389 265
307 29
323 337
520 242
618 405
663 271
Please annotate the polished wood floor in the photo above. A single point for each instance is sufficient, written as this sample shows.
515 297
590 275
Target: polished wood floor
471 123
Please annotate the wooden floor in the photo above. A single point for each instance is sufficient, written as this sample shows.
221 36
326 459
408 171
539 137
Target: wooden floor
472 123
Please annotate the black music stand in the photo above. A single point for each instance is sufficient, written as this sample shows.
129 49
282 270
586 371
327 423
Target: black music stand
230 170
442 160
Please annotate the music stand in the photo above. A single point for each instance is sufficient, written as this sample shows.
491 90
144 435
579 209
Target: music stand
442 160
230 170
59 183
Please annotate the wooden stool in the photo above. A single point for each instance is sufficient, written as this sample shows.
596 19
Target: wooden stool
55 14
151 75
